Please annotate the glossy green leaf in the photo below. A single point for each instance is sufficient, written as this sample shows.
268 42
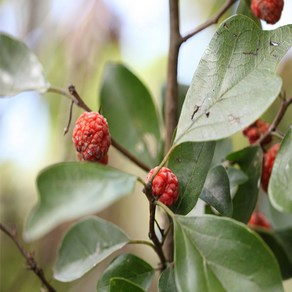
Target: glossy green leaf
236 177
235 81
219 254
216 191
280 245
129 267
167 281
131 114
280 185
20 70
86 244
250 162
73 189
190 162
123 285
222 149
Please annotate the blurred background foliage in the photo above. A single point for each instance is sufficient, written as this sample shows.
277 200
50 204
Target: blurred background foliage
73 40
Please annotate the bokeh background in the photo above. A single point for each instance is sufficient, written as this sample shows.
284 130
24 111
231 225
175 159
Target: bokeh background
73 40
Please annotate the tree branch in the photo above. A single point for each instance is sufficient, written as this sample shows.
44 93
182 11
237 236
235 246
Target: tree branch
278 118
171 94
213 20
152 235
31 263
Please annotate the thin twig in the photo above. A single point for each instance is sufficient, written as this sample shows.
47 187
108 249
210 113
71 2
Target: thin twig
31 263
278 118
213 20
76 98
70 118
152 235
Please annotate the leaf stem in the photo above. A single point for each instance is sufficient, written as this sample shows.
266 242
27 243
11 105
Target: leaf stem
31 263
145 242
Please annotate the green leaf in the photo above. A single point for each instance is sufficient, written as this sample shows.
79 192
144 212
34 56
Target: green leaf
131 114
190 162
236 177
280 245
167 281
250 161
20 70
219 254
73 189
123 285
129 267
85 245
280 185
235 81
223 147
216 191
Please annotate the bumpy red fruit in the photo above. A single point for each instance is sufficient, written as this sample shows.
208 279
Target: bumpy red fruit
91 137
268 10
268 162
164 185
256 130
258 219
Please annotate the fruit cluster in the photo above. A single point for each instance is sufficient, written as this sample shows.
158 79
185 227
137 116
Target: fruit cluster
164 185
258 219
268 10
91 137
256 130
253 133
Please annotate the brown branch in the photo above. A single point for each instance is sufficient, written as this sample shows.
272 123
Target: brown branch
79 101
213 20
171 94
278 118
31 263
152 235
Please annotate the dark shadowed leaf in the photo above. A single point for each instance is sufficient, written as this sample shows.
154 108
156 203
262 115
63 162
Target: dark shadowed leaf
129 267
20 70
167 281
280 244
219 254
235 81
250 162
216 191
123 285
73 189
131 114
86 244
190 162
280 185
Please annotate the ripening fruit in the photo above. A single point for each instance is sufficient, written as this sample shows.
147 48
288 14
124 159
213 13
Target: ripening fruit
258 219
254 131
91 137
164 185
268 162
268 10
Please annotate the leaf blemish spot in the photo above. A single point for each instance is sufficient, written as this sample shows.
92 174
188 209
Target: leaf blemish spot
232 119
196 108
207 114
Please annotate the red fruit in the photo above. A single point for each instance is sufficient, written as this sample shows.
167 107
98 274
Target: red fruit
91 137
256 130
258 219
164 185
268 10
268 162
